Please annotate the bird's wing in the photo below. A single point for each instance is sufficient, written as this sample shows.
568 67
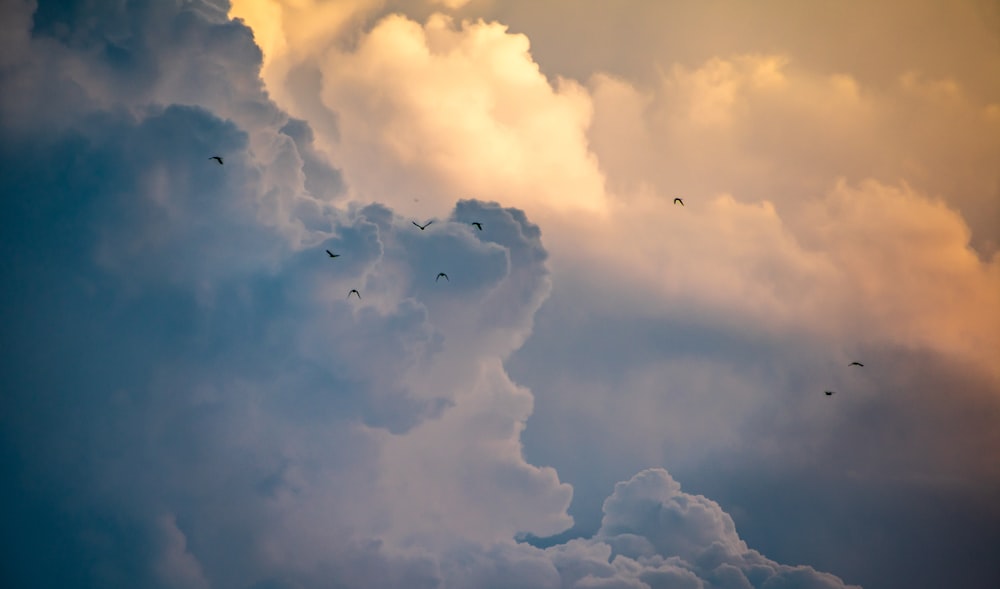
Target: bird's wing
415 223
428 223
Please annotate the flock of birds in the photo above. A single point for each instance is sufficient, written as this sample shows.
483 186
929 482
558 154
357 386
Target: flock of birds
218 159
479 226
440 275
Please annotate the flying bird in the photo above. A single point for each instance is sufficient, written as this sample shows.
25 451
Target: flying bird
440 274
217 158
422 227
679 201
478 225
855 364
331 254
828 393
354 291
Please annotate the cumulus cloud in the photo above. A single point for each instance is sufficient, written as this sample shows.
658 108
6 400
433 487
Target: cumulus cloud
762 127
830 212
650 520
653 536
222 415
219 405
454 109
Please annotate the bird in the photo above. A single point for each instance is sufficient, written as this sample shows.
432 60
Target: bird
354 291
679 201
422 227
828 393
331 254
217 158
855 364
440 274
478 225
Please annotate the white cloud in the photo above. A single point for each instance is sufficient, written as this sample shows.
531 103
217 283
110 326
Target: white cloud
451 109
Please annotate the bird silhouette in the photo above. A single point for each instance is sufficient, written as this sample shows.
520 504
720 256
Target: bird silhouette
331 254
828 393
679 201
422 227
440 274
478 225
354 291
855 364
217 158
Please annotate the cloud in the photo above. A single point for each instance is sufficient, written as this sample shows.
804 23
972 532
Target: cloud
637 40
458 109
653 536
177 566
257 400
194 401
218 400
649 519
752 291
762 127
825 221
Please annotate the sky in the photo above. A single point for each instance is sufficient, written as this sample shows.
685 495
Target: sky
611 389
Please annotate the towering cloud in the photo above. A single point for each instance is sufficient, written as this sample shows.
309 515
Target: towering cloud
194 400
